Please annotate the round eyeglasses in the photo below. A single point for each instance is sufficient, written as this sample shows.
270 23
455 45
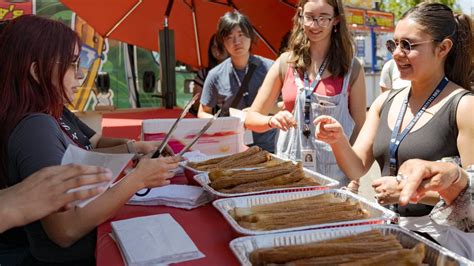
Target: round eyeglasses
321 21
405 45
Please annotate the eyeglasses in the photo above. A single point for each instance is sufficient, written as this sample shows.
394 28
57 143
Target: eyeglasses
405 45
78 71
321 21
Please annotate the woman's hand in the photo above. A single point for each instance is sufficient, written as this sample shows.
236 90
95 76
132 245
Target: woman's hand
156 172
282 120
46 191
387 189
328 129
423 176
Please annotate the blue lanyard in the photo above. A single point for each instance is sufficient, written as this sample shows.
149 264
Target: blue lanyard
396 138
308 91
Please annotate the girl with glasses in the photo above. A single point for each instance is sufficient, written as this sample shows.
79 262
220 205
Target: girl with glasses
429 120
34 89
318 75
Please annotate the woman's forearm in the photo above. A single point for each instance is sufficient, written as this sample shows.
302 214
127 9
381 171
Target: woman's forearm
348 160
257 122
106 142
7 218
68 227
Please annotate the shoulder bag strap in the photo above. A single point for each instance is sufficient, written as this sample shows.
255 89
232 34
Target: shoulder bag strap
245 83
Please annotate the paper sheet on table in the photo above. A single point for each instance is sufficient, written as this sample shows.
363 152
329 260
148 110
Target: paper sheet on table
115 162
178 196
248 137
155 239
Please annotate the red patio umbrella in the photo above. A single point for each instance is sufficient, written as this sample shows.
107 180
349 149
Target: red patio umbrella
138 22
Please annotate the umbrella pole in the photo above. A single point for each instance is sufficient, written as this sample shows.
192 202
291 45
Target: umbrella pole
168 62
131 79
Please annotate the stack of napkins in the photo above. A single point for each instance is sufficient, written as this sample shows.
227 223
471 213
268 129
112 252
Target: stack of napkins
152 240
179 196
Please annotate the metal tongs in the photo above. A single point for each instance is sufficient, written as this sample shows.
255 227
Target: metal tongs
160 149
167 138
198 135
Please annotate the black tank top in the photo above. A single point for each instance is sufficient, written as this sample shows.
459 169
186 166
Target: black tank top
433 141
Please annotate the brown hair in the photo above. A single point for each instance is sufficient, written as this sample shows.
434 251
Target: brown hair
341 49
441 23
49 45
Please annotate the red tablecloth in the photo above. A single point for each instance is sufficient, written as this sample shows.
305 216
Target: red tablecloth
204 225
128 124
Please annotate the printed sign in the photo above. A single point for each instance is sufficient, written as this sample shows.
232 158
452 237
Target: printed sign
10 9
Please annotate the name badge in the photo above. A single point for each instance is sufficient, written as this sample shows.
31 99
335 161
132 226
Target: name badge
308 158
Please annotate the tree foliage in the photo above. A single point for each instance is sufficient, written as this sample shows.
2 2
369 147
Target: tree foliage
398 7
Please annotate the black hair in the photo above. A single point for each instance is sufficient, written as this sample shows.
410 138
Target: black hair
441 23
229 21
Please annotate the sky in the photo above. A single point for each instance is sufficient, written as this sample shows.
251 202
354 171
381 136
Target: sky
467 6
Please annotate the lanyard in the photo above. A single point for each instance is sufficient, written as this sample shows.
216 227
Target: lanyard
239 82
396 138
72 134
309 89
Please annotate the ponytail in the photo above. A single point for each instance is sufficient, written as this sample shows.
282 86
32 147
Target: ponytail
459 63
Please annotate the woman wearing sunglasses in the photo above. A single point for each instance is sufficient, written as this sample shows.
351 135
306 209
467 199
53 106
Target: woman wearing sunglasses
38 77
318 75
429 120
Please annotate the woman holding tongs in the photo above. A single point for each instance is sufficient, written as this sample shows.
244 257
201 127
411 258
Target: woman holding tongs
318 75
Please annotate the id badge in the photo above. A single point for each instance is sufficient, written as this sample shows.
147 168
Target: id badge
308 158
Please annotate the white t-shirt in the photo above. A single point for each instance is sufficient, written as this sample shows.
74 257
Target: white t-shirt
390 77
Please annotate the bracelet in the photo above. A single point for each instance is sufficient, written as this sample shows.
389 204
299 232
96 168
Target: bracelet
131 146
268 122
458 176
400 177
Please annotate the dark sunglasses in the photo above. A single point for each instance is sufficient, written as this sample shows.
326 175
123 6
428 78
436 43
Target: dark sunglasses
405 45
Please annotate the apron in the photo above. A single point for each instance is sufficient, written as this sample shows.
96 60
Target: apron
316 155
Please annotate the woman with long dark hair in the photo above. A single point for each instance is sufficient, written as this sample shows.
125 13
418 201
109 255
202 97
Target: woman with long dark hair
38 76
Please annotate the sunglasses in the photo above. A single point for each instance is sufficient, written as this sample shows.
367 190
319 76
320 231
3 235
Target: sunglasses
405 45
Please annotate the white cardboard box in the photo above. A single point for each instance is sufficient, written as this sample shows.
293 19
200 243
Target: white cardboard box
225 136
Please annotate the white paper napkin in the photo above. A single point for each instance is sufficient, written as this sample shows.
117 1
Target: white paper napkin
151 240
179 196
115 162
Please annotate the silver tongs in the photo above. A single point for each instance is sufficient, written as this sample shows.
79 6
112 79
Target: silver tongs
187 147
203 130
165 141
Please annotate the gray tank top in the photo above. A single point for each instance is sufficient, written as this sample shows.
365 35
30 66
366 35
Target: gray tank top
433 141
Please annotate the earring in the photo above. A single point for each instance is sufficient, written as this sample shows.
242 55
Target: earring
334 29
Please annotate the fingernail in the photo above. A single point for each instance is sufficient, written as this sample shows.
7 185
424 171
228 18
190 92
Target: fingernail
403 198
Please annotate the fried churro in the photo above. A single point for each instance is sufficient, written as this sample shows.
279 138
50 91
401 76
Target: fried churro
368 248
